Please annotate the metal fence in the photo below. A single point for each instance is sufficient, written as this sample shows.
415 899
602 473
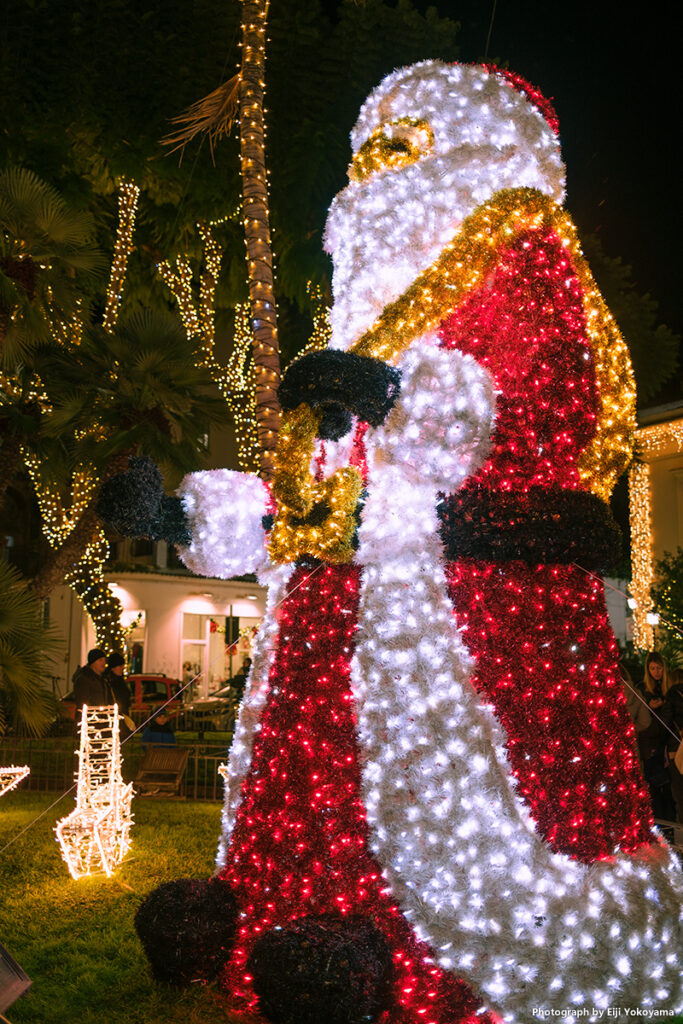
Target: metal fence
53 763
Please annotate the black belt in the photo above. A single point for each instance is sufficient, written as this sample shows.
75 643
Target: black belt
541 525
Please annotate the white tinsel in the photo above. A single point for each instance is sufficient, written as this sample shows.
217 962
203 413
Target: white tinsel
225 512
526 927
384 230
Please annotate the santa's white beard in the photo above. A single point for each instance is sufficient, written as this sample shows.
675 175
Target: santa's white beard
384 231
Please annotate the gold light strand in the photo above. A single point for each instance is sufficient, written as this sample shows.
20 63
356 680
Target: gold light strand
322 328
236 379
653 441
314 517
179 281
237 384
87 577
213 255
393 145
58 521
87 581
465 263
642 576
129 194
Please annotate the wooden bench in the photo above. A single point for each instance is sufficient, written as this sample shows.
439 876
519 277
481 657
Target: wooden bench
161 771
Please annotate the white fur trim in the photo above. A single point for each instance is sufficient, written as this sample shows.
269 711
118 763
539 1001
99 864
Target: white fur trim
224 510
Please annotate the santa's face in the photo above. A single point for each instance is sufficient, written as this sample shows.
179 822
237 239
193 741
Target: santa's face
433 142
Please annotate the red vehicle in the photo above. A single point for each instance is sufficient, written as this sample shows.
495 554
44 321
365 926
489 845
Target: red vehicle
148 692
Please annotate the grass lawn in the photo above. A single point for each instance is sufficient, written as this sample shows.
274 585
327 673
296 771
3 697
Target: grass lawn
75 939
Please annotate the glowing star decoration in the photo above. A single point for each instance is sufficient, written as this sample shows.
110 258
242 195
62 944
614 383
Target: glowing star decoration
11 776
433 734
95 837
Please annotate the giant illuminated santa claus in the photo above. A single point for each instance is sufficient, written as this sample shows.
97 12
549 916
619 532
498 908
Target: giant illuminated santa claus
433 737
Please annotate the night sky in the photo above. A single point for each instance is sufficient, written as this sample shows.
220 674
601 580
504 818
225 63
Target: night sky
614 83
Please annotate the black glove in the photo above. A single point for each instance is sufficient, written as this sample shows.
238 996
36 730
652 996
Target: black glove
134 504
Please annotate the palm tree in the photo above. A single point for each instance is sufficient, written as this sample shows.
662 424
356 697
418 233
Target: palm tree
213 116
25 646
257 229
43 245
134 391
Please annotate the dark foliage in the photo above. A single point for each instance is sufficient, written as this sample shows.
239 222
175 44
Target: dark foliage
130 502
335 423
539 526
187 929
134 504
325 968
338 383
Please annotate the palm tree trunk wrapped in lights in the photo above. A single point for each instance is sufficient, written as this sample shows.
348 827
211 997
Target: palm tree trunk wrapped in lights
257 228
213 116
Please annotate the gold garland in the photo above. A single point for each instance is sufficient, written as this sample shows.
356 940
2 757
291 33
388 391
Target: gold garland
298 494
465 263
393 145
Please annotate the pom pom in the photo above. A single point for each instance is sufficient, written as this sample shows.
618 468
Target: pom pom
225 513
327 968
130 502
187 929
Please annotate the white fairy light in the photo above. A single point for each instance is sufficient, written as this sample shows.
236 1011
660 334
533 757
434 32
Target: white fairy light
11 775
95 837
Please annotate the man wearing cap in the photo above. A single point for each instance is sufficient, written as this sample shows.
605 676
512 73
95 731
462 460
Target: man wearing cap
90 685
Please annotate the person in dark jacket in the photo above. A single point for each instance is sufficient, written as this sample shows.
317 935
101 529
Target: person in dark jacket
673 716
652 741
90 686
117 682
159 730
120 692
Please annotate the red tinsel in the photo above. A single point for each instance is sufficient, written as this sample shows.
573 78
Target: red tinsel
546 657
300 840
528 328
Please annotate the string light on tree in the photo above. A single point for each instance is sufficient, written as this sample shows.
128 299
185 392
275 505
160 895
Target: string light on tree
235 380
59 519
652 441
129 193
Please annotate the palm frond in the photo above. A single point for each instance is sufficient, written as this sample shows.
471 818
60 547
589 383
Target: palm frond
212 116
25 648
